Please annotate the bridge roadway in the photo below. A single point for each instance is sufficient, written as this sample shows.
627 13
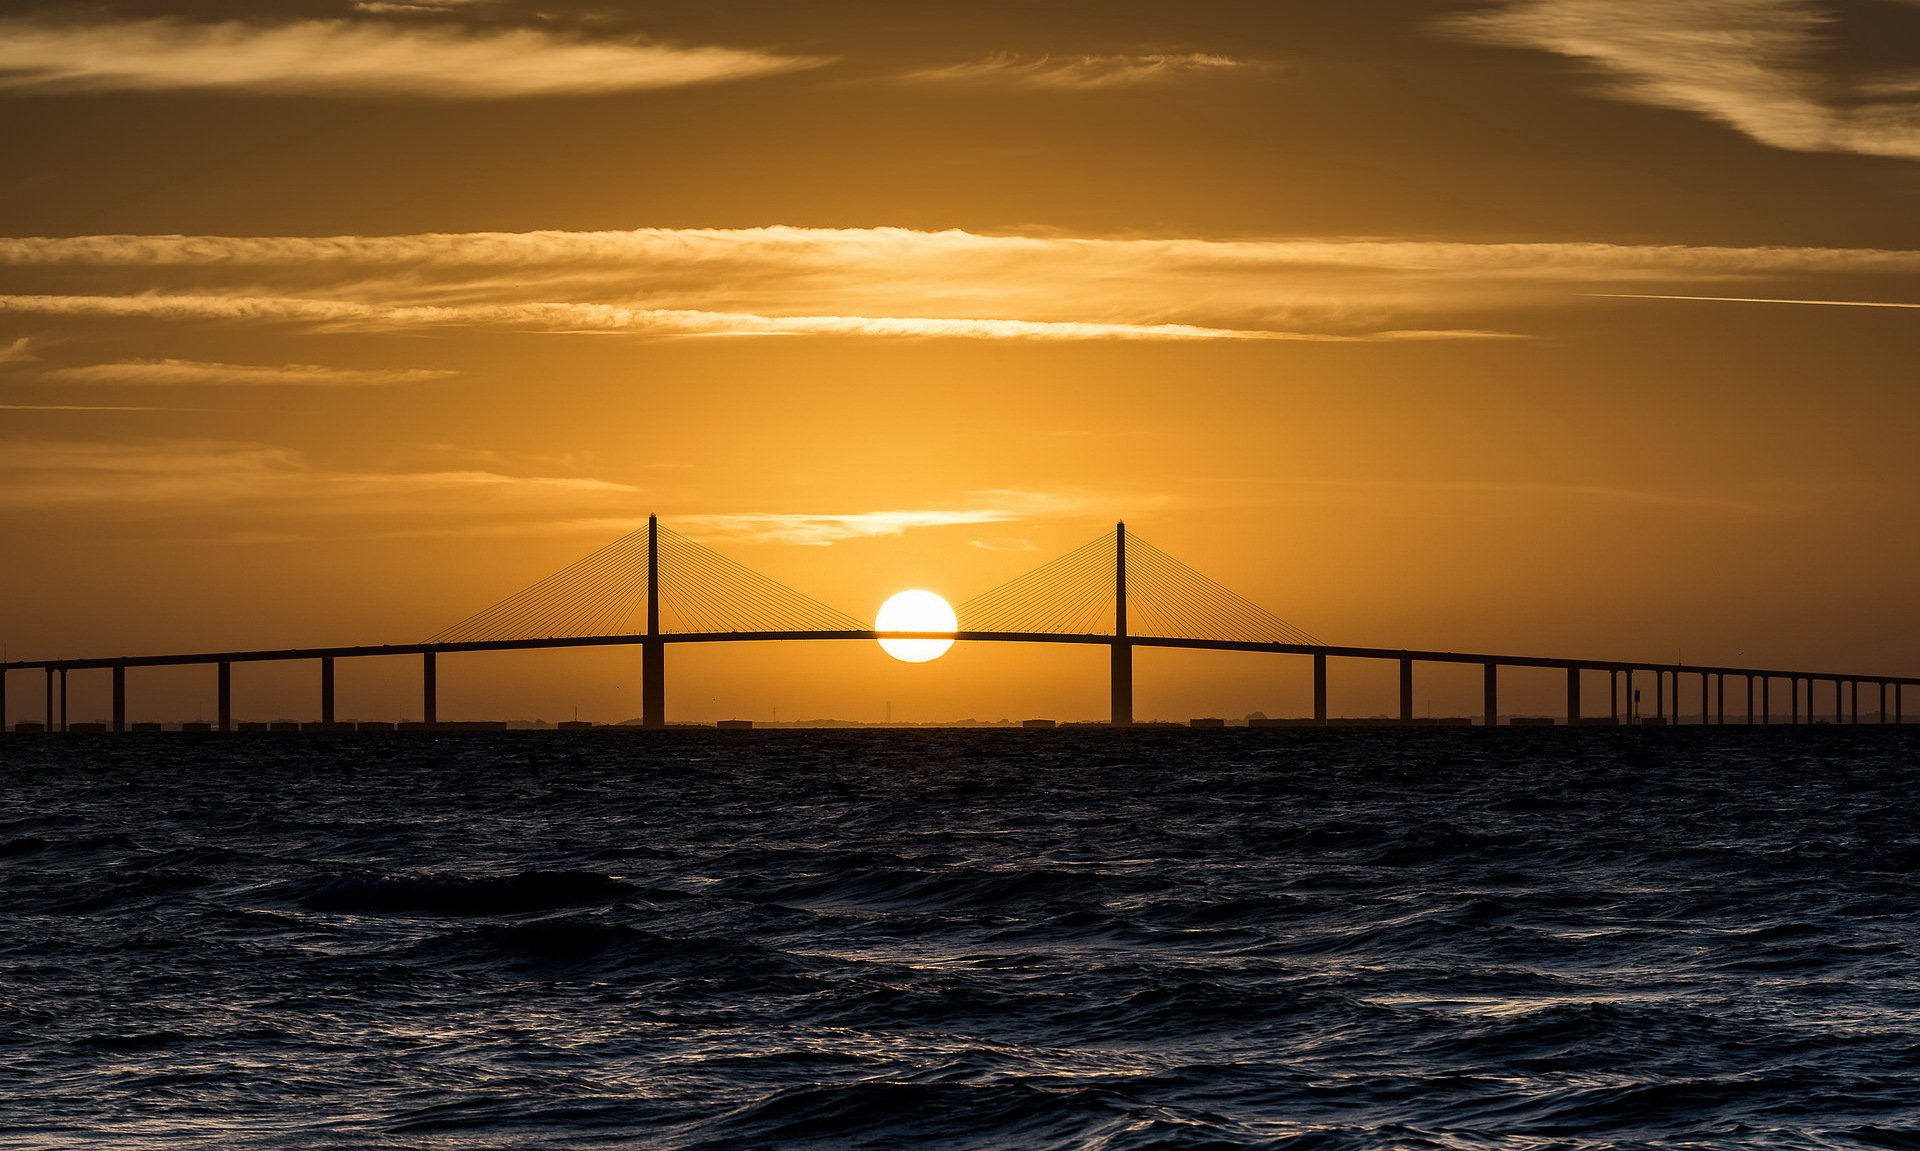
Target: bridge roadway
1406 658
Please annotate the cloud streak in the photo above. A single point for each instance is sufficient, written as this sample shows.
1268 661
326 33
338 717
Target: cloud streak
1748 64
189 474
192 373
355 58
1084 73
885 282
591 318
825 529
1760 300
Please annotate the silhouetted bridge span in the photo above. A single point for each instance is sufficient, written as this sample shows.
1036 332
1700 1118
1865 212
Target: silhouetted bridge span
1118 592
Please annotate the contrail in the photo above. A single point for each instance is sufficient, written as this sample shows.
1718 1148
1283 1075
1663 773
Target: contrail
1756 300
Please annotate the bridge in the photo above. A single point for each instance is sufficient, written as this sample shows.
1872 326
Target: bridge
655 588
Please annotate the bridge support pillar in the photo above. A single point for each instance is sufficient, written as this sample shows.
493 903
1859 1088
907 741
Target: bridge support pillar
429 689
1706 716
653 683
1613 694
1573 696
1793 682
48 725
1883 702
3 701
1766 701
1122 675
1660 695
1896 702
1853 701
1720 698
119 697
63 699
1121 702
326 689
223 691
1320 688
653 650
1749 699
1490 693
1406 690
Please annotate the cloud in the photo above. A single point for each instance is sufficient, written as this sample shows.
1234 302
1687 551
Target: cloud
416 7
1780 499
588 318
86 408
1748 64
193 373
1760 300
825 529
189 474
822 529
1084 72
354 58
887 282
18 351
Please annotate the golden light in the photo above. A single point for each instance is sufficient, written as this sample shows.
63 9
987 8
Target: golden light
916 611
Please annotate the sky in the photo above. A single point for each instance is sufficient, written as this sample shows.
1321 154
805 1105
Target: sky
1582 328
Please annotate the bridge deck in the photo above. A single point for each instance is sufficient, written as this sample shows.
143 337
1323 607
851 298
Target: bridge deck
1137 641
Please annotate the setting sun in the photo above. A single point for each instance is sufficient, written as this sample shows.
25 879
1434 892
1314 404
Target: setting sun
916 611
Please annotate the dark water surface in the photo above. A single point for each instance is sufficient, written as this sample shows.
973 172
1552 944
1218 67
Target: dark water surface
963 939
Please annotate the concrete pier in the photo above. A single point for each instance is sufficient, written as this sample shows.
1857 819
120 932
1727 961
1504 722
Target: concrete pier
326 689
1573 696
429 689
653 652
119 697
1319 688
1121 712
1406 690
224 689
1490 693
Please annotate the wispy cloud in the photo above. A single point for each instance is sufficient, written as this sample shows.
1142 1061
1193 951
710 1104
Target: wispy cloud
587 318
178 373
890 282
188 474
18 352
1752 65
1084 72
1759 300
355 58
1780 499
86 408
821 529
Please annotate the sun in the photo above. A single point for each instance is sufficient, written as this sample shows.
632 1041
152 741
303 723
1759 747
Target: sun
916 611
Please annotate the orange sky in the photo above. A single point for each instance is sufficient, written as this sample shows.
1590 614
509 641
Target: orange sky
335 322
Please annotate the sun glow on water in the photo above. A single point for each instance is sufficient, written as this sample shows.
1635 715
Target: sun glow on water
916 610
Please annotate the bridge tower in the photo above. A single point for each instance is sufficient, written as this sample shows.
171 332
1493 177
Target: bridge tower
653 650
1122 646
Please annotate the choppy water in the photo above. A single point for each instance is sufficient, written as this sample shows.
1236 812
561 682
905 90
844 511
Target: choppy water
963 939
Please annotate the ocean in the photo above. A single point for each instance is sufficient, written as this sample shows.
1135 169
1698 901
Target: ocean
962 939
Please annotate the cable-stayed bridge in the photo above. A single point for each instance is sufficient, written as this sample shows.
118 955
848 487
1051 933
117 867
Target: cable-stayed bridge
654 588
